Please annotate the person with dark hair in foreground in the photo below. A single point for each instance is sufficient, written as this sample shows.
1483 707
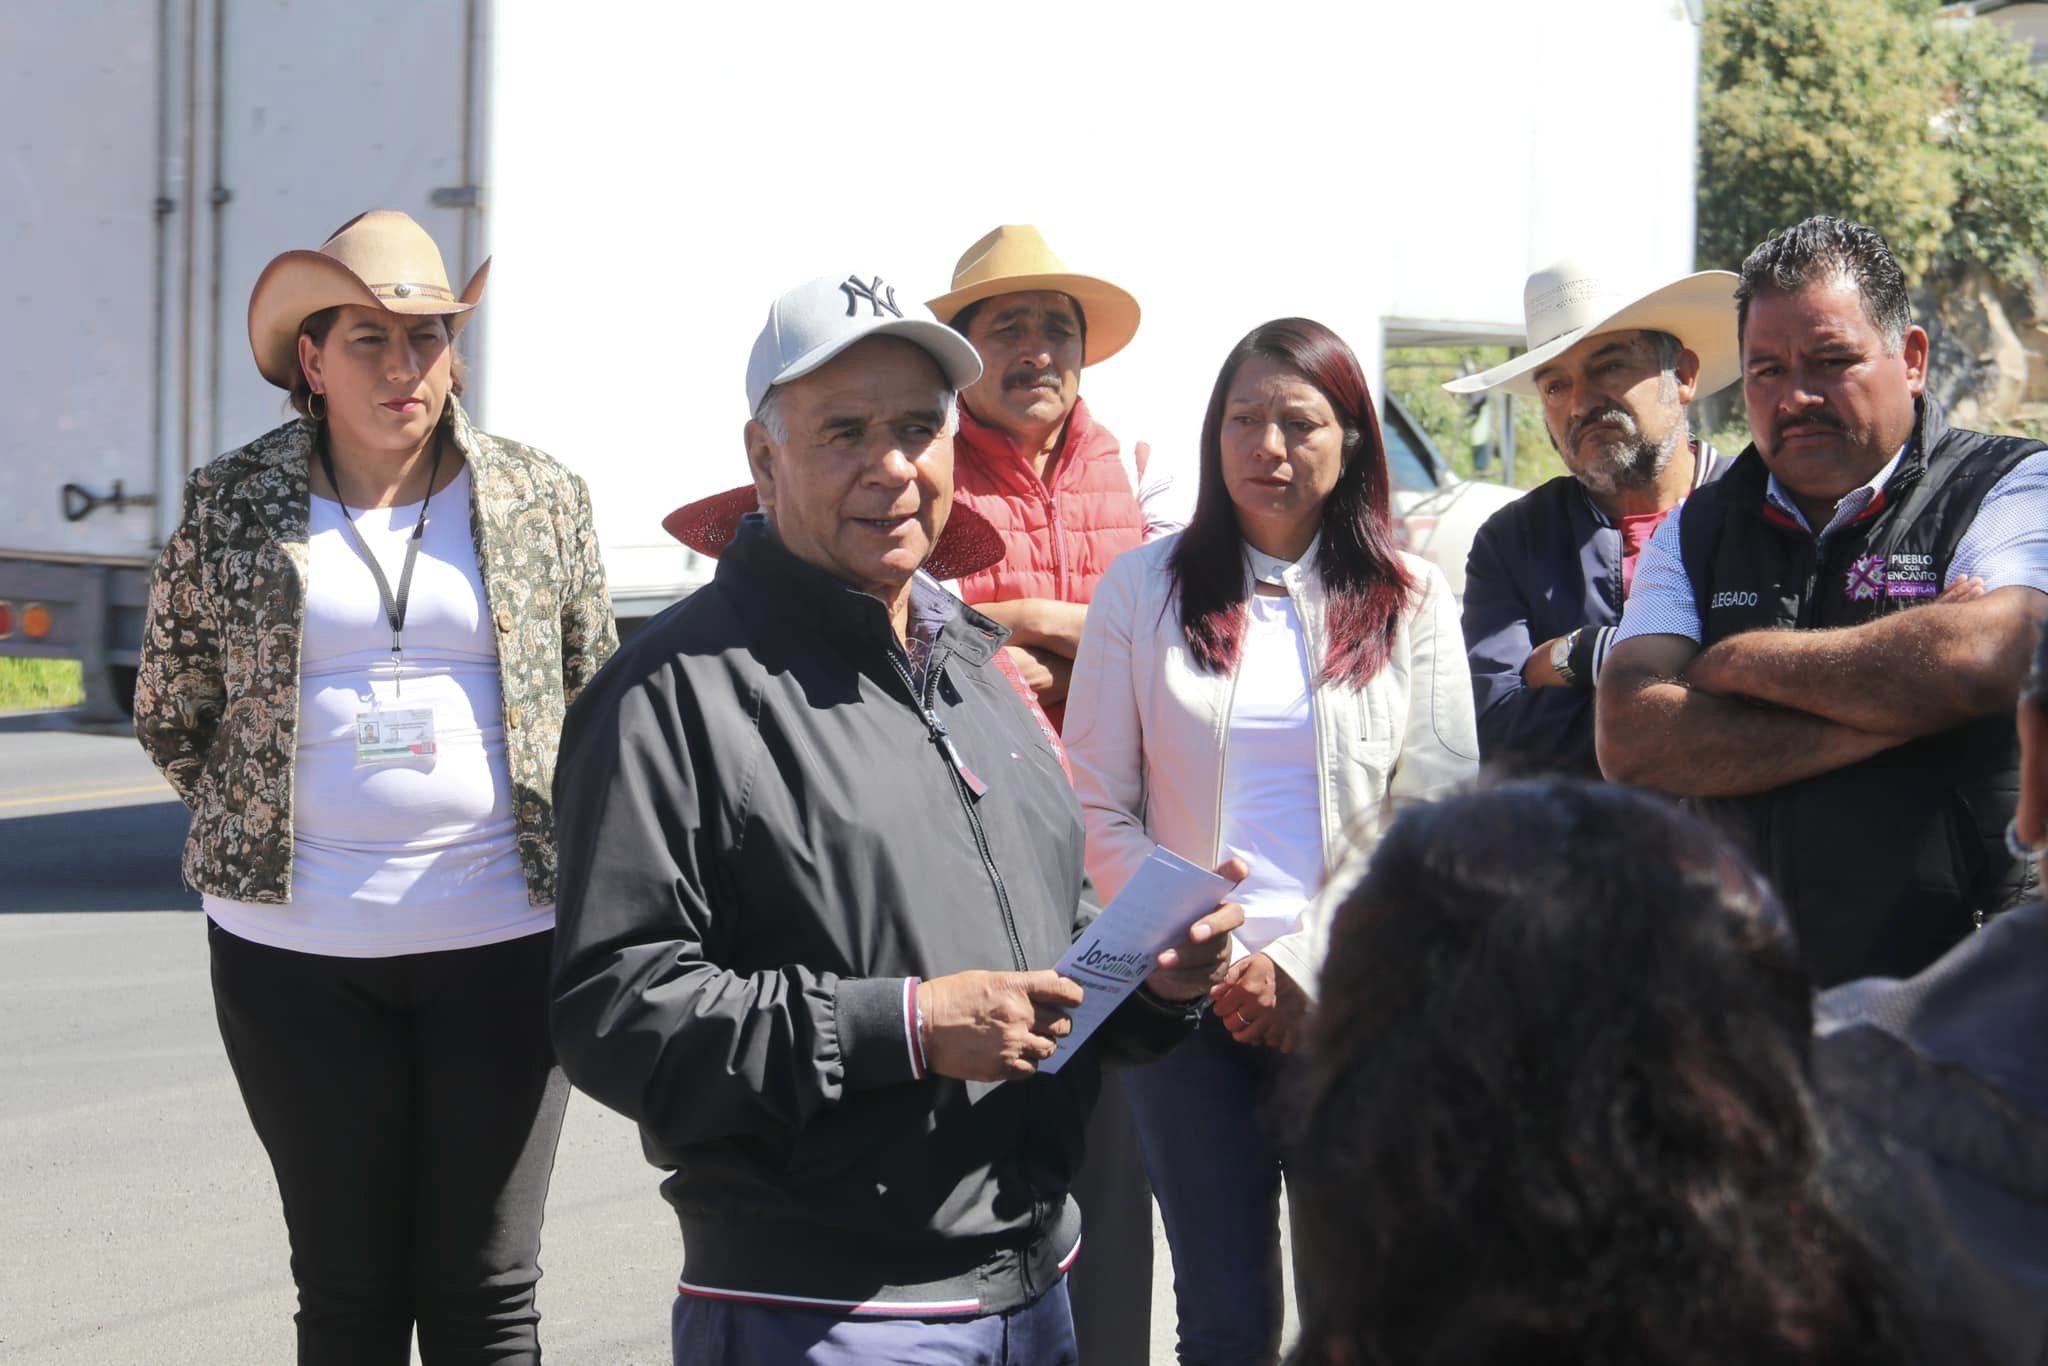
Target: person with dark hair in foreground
1935 1094
1555 1105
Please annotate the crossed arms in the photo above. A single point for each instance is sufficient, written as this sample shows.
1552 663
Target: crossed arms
1767 708
1045 635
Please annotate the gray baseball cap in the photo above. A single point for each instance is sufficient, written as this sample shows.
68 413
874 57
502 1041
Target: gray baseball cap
814 322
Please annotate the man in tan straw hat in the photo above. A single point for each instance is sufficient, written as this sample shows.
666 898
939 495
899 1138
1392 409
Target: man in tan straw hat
1031 457
1614 369
1067 499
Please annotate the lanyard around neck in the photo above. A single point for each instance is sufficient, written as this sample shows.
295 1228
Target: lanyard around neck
394 606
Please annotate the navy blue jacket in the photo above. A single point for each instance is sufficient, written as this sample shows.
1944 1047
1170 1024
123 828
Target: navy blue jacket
1934 1090
1546 564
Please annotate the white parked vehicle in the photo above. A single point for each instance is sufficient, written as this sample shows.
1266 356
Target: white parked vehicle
1437 513
648 176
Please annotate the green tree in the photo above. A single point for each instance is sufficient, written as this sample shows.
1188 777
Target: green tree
1933 134
1996 130
1811 106
1416 376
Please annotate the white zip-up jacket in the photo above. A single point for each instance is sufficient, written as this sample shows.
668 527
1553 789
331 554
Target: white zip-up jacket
1148 732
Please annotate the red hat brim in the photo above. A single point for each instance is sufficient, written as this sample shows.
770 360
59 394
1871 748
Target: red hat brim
969 544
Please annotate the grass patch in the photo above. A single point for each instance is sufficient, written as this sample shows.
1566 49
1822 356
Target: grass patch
36 684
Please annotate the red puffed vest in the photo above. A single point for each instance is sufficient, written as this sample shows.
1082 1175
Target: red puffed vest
1060 539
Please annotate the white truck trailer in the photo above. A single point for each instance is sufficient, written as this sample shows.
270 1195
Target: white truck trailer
648 176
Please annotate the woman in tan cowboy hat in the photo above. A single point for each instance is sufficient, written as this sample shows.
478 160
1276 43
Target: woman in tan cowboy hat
360 643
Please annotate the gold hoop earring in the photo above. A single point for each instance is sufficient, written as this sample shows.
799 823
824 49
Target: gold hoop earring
319 413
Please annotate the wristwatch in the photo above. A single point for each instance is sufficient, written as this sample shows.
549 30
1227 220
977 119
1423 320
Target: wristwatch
1561 657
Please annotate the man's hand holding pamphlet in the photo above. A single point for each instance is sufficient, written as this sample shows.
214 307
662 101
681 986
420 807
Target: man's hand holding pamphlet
1164 904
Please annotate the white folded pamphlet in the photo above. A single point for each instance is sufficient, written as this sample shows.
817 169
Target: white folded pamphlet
1116 952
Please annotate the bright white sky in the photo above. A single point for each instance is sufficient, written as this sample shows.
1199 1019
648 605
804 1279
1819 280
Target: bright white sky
660 172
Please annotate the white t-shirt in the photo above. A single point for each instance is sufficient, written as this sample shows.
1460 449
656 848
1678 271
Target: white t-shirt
415 856
1272 816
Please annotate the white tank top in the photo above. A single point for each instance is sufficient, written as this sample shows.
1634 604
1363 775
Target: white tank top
410 857
1271 814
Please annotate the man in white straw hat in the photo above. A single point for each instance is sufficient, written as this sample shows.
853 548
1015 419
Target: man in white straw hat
1067 499
1614 369
1824 646
1030 456
818 861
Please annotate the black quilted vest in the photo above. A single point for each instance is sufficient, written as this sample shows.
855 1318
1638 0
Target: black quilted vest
1886 863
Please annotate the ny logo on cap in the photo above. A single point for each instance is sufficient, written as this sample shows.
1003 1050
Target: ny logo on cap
878 295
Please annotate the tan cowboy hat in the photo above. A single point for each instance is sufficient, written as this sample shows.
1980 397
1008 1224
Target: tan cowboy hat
1015 260
1567 302
380 259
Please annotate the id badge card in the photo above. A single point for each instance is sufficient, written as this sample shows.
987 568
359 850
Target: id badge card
387 735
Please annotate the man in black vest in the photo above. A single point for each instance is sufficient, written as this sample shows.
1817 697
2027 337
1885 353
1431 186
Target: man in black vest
1824 646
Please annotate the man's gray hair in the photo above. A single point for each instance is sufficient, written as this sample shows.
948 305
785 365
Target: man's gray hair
1665 347
770 415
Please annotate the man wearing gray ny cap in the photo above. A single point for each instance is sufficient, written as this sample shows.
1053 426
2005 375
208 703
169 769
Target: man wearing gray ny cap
817 861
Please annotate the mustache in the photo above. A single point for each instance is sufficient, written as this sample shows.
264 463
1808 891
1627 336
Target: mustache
1025 379
1819 417
1613 412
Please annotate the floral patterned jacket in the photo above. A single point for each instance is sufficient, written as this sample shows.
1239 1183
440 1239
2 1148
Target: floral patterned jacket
217 694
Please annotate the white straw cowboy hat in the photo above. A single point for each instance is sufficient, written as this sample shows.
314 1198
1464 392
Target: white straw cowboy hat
1565 303
1015 260
380 259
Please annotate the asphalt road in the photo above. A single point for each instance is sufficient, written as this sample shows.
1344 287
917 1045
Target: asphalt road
86 823
142 1222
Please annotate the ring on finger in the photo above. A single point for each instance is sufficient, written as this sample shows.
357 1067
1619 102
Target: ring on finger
1241 1018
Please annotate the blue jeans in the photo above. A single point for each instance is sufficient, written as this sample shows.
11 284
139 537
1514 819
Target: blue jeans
710 1332
1203 1113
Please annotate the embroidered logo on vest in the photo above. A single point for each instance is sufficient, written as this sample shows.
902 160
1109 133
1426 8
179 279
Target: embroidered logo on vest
1866 577
879 296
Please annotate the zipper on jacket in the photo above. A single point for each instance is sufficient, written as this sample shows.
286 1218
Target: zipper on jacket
969 788
1809 603
1223 763
1620 579
1316 719
1059 547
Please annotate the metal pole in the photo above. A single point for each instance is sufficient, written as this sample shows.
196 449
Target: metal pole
1507 441
168 491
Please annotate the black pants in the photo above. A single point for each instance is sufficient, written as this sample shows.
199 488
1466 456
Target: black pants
410 1107
1111 1285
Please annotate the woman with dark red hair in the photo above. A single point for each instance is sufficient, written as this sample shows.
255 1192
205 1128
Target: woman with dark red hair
1263 684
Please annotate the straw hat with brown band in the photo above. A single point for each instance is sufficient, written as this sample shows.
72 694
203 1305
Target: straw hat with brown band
1015 260
380 259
